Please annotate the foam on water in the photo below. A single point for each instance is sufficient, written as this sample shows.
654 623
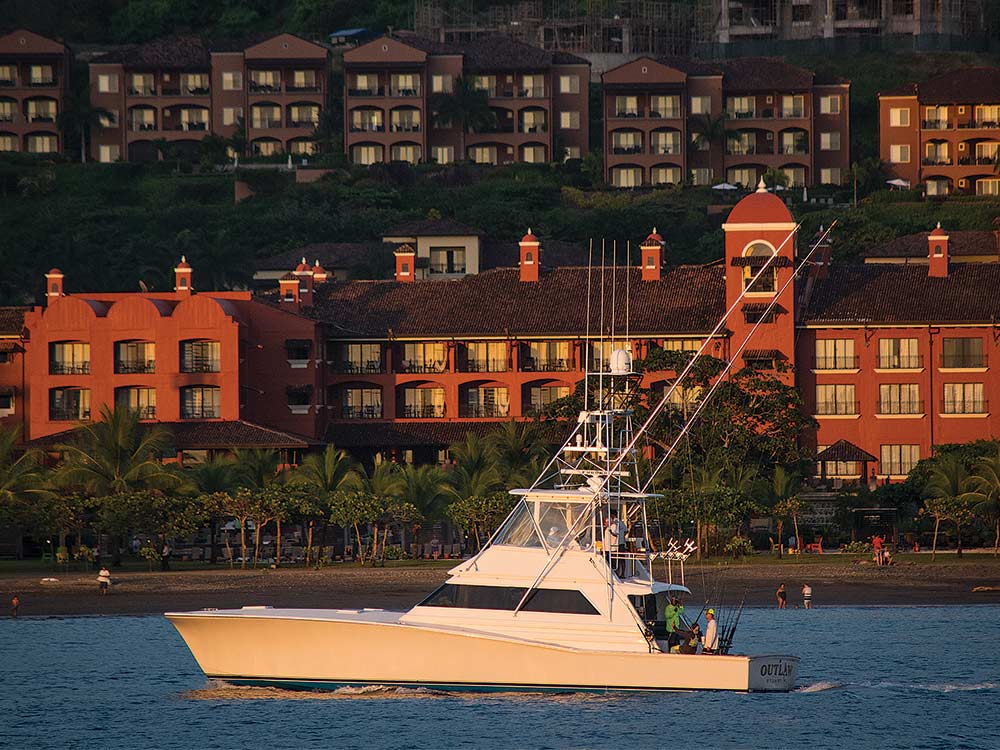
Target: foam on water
818 687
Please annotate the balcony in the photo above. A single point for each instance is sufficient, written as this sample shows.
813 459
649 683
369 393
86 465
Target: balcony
547 365
745 114
142 91
976 161
901 362
968 406
8 82
135 367
205 411
69 368
935 124
68 414
838 408
145 412
313 88
936 161
371 367
531 93
49 118
479 411
665 114
665 150
485 365
7 116
266 123
539 128
405 127
361 412
619 150
200 365
423 411
41 83
796 150
436 268
630 114
367 127
423 368
792 114
401 92
189 127
264 88
900 408
837 362
964 362
303 123
979 125
376 91
142 127
737 150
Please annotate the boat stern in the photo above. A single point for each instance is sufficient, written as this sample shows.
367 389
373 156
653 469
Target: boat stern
772 674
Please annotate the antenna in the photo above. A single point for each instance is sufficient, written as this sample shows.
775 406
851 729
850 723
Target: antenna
614 291
628 281
586 340
600 375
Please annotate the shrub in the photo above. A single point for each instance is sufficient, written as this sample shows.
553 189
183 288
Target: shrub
857 548
739 546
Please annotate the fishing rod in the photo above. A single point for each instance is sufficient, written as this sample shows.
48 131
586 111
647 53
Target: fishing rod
726 641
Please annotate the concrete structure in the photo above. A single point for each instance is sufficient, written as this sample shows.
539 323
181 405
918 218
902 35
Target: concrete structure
944 134
183 88
672 120
34 79
539 99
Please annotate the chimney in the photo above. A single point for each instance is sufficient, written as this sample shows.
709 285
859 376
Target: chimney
288 286
53 286
319 274
651 256
406 261
182 277
937 253
531 257
823 254
304 273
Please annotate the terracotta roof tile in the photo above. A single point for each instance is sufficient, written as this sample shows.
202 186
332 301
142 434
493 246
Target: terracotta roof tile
960 242
187 52
964 85
764 74
207 435
687 299
842 450
12 320
889 293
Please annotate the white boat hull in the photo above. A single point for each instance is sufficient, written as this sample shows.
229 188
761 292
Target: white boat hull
315 649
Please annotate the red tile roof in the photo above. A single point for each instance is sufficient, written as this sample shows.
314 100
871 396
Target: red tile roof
176 52
889 293
207 436
687 299
842 450
962 86
764 74
12 320
960 242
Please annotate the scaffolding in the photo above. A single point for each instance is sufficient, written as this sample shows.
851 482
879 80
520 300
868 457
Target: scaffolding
629 27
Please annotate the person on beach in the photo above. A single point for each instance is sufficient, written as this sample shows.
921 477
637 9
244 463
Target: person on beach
104 580
710 641
15 602
807 596
782 596
878 544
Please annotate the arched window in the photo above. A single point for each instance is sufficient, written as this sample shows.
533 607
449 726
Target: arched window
755 257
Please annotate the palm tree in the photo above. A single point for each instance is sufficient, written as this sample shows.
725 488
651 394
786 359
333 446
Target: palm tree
116 455
984 488
255 467
516 446
948 481
22 479
465 106
426 487
79 115
212 478
708 132
325 473
703 482
781 495
473 453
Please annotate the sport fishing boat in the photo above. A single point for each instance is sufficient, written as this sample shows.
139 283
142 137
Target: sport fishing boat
561 598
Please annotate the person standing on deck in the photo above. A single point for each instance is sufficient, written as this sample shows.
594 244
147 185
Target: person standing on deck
672 615
710 641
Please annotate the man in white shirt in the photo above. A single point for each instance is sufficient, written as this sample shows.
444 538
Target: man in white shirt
710 641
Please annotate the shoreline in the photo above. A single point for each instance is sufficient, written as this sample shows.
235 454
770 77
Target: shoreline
349 587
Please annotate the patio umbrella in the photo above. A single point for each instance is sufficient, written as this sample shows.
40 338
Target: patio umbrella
898 183
724 186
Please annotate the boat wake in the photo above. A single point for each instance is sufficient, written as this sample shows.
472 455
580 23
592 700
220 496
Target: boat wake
221 691
819 687
943 687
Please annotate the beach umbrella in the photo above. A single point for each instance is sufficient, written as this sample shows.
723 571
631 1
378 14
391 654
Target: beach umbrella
724 186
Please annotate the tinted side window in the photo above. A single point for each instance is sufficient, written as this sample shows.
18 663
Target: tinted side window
505 598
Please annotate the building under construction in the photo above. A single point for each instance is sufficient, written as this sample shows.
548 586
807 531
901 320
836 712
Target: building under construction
683 27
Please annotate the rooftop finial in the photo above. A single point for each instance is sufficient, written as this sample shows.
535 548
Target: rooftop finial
654 230
317 262
303 259
529 230
184 257
939 225
761 187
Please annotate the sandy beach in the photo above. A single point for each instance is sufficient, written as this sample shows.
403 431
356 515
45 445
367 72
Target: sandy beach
837 582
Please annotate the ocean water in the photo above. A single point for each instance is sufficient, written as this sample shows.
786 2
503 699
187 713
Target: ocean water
894 677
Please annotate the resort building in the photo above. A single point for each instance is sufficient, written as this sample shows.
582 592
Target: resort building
672 120
892 356
395 85
180 89
34 79
944 134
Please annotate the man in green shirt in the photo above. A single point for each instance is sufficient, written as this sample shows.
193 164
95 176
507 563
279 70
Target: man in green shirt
672 615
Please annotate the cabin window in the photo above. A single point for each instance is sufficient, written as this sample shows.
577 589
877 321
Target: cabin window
506 598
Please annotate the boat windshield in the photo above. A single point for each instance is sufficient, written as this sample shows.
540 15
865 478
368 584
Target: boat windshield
533 521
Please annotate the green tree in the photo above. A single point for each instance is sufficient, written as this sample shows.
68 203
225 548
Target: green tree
79 116
321 475
984 491
466 107
780 495
948 481
256 467
426 487
354 509
480 515
23 479
516 447
211 478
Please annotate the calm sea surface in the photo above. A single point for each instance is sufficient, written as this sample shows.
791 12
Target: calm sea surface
901 677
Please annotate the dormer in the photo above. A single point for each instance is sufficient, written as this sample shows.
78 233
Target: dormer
530 257
182 277
53 285
406 260
937 253
651 256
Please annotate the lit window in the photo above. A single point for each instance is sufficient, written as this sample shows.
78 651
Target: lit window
899 154
569 84
107 83
829 105
569 120
899 117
